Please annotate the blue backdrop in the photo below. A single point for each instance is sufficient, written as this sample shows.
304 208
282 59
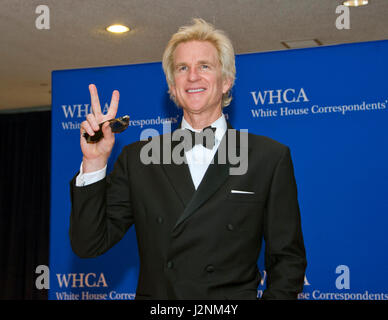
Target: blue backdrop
328 104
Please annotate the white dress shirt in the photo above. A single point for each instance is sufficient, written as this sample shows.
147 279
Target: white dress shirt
198 158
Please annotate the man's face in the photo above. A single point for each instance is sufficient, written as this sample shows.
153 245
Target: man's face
199 84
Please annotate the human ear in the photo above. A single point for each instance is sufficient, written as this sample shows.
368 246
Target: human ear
226 85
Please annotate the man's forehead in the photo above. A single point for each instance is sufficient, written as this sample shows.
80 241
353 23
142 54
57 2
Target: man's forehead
199 51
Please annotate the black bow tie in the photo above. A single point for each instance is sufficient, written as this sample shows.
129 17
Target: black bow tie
205 137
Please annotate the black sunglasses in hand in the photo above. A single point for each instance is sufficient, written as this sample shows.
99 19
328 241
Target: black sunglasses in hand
117 125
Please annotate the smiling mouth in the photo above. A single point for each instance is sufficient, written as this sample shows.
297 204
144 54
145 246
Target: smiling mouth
195 90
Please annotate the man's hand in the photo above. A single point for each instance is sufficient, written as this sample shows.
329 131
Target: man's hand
95 155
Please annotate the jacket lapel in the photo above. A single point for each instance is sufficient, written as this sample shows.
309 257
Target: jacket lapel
215 176
180 178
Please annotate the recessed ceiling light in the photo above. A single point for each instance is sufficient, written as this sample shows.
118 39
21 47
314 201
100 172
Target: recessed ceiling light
117 28
355 3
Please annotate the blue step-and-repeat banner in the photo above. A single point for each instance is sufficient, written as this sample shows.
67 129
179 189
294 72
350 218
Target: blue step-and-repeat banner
328 104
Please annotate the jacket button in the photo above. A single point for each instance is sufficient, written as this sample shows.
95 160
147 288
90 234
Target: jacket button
170 264
209 269
230 227
160 220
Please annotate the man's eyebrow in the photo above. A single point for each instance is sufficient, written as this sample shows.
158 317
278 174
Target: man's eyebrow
179 64
205 62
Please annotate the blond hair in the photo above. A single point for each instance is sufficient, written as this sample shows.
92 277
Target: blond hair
200 30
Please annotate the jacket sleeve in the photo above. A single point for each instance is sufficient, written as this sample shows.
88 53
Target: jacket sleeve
101 212
285 257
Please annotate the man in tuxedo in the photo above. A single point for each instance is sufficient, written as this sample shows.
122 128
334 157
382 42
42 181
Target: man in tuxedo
199 228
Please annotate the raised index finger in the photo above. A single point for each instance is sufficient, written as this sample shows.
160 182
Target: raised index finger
95 101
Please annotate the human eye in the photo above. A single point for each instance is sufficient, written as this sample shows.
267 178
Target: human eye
181 68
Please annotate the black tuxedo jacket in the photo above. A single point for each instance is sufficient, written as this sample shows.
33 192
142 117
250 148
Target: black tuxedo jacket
204 243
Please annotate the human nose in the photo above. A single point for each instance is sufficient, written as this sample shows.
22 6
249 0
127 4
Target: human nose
193 74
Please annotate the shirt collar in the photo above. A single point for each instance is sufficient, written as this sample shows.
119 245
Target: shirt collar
219 124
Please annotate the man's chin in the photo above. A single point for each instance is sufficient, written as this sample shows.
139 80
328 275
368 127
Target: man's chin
193 108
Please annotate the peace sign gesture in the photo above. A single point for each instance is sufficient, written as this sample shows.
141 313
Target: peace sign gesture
95 155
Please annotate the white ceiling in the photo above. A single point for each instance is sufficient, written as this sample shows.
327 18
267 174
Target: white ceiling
77 36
